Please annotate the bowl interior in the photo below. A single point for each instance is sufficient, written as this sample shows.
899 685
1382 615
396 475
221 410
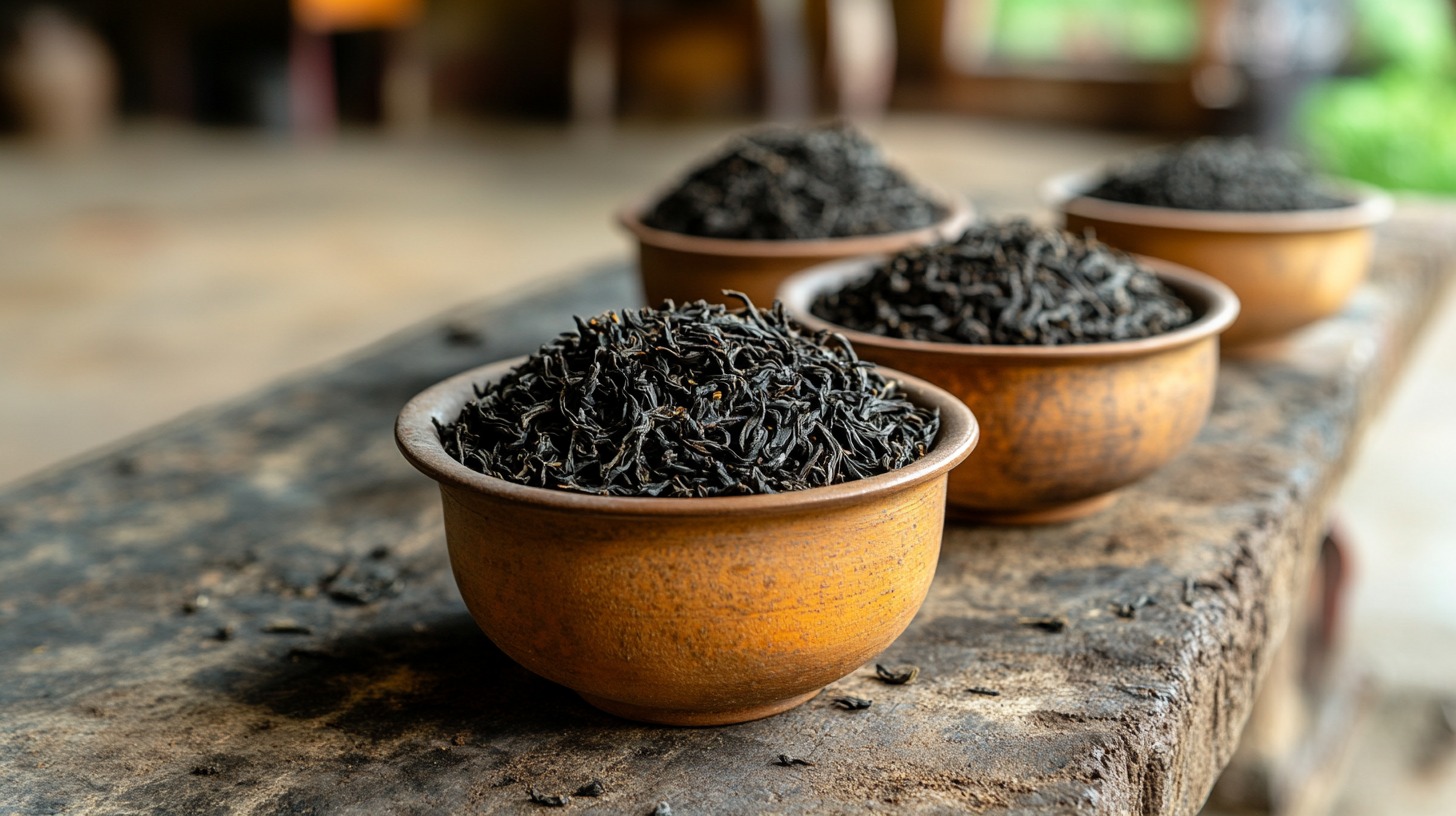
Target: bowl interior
1214 306
420 443
1067 194
958 215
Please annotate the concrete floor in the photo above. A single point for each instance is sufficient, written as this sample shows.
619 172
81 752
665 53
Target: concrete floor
172 270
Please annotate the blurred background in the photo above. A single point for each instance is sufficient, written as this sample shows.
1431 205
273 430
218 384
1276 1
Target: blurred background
199 197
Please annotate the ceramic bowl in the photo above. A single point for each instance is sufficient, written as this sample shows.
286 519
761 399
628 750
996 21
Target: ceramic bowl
691 611
1065 426
685 268
1289 269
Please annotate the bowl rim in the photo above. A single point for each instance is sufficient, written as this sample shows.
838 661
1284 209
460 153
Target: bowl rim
1066 193
419 442
959 215
1220 309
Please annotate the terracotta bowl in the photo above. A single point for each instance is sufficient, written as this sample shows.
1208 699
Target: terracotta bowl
1289 269
688 267
1065 426
691 611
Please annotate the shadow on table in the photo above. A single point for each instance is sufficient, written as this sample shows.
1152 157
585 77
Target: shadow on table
444 679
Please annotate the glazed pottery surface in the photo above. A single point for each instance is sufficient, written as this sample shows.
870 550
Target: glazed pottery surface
691 611
1288 269
685 268
1065 426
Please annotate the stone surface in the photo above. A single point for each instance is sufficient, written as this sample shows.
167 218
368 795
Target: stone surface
250 610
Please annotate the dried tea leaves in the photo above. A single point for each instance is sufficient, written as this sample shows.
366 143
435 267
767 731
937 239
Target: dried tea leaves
1009 284
1227 175
902 676
690 401
795 184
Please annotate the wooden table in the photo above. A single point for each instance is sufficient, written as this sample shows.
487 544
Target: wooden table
249 609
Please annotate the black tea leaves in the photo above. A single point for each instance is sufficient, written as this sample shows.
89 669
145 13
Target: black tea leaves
693 401
1008 284
1222 175
795 184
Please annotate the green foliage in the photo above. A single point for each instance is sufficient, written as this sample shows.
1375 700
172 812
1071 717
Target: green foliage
1415 33
1396 129
1055 30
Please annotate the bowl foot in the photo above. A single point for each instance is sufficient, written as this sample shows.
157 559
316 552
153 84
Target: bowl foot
677 716
1060 514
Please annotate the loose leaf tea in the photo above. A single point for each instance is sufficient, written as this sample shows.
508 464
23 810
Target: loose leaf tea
898 677
1230 175
794 184
690 401
852 703
1053 624
592 788
789 761
1129 609
554 800
1008 284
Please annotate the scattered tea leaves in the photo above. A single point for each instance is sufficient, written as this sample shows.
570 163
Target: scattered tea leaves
460 334
793 184
902 676
983 691
592 788
790 761
555 801
1230 175
284 626
852 703
363 582
1047 623
691 401
1129 609
1008 284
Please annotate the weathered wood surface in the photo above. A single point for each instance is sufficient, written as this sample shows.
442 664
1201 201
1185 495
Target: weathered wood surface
137 590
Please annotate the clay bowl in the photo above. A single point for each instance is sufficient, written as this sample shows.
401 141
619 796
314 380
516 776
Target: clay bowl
685 268
1289 269
691 611
1065 426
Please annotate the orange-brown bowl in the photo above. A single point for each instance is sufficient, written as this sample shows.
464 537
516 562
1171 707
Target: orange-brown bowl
1289 269
1065 426
685 268
691 611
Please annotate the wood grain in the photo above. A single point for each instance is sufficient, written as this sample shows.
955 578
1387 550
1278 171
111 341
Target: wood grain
249 610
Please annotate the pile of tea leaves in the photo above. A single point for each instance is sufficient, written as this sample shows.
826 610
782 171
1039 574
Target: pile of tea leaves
1008 284
690 401
794 184
1228 175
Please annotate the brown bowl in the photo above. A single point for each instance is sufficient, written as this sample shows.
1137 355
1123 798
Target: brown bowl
685 268
1289 269
1065 426
691 611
